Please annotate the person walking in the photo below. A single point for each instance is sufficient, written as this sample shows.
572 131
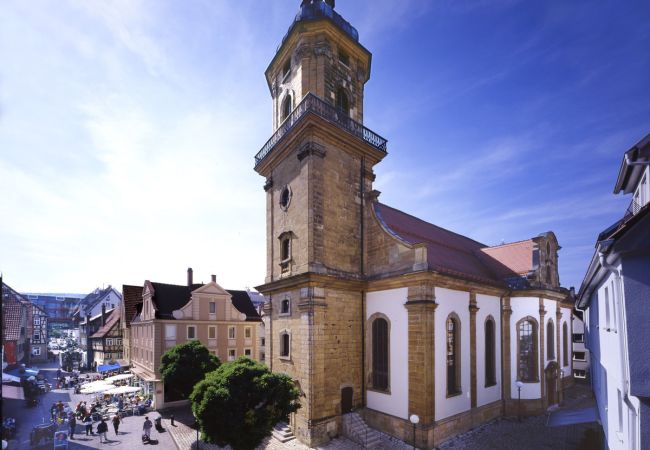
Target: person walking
146 427
102 429
116 423
88 420
72 422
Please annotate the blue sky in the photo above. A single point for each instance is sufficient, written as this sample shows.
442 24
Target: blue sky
128 128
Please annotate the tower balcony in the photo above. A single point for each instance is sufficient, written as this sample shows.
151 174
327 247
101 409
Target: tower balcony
314 105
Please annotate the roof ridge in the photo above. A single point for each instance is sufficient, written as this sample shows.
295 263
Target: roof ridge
433 225
507 244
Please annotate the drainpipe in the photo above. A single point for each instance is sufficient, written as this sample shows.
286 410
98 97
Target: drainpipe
602 257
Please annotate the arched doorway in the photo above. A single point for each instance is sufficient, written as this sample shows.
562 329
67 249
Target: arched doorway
551 374
346 400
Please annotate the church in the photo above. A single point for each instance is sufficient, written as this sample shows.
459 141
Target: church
373 311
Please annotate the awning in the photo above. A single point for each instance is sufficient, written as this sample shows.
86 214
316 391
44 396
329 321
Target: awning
123 363
572 417
108 367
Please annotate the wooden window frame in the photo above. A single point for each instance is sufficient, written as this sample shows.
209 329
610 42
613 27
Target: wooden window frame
565 349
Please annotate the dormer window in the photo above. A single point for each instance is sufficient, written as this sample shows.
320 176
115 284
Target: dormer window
342 101
286 69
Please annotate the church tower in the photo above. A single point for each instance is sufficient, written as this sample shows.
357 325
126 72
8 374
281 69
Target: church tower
318 169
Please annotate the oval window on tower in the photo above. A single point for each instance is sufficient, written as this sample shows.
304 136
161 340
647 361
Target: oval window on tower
285 198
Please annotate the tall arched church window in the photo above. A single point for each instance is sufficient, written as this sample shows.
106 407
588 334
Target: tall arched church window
287 107
550 340
527 350
565 345
453 355
342 101
380 355
490 353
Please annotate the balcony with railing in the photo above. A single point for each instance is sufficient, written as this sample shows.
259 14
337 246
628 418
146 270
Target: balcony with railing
312 104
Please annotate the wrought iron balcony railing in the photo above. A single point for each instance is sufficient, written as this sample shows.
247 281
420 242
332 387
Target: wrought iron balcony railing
313 104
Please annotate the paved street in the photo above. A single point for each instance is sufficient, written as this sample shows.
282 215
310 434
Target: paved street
130 432
502 434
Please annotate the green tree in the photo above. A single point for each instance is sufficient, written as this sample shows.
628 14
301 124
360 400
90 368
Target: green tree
55 333
184 365
239 403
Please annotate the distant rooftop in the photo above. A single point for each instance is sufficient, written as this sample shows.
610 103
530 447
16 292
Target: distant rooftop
51 294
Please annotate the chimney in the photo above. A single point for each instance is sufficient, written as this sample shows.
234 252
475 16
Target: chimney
573 291
214 278
103 314
190 280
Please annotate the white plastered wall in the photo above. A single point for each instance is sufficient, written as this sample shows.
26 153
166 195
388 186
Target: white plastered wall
488 306
522 307
391 304
458 302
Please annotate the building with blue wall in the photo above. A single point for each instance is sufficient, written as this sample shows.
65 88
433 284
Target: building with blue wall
615 298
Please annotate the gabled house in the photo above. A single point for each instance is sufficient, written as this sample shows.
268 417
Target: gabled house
89 326
225 321
37 332
15 339
130 307
615 297
106 342
92 304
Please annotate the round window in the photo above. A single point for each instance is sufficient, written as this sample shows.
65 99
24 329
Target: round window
285 197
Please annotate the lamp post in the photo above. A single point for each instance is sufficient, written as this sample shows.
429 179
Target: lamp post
519 386
414 420
196 424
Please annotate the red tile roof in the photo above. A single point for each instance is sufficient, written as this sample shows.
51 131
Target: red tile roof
111 321
131 296
455 254
13 312
516 256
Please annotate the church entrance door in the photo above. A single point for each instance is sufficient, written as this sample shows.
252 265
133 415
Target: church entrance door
346 400
551 373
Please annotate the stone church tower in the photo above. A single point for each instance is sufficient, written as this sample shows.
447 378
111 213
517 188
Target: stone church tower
318 167
371 309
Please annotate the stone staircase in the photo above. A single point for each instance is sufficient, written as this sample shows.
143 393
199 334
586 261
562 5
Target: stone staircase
282 432
355 429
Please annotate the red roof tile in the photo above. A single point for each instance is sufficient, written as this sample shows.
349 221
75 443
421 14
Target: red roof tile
516 256
447 252
113 319
131 296
13 313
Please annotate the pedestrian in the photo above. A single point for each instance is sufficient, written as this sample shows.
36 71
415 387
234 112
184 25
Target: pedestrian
116 423
72 422
88 420
172 418
146 427
102 429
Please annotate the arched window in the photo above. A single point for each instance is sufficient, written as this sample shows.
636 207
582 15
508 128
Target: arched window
380 343
565 347
342 102
287 106
527 350
548 273
550 340
285 344
453 355
490 354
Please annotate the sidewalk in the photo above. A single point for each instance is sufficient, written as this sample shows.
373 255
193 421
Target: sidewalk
185 437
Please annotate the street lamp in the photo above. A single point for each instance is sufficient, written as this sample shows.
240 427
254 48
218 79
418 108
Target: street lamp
519 386
414 420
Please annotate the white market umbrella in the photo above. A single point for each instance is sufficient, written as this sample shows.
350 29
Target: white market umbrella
9 378
124 376
123 390
95 383
97 388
